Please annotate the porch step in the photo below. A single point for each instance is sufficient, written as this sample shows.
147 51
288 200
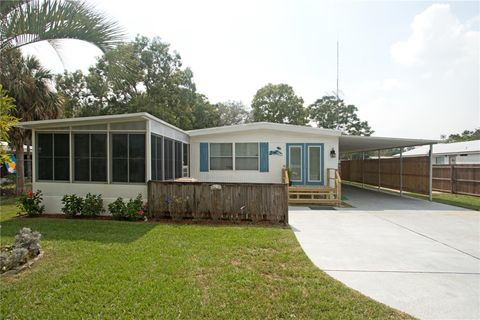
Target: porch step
312 194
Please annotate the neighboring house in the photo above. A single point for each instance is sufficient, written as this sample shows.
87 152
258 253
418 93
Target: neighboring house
467 152
117 155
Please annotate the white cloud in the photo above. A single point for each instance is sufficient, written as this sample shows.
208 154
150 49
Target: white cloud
438 37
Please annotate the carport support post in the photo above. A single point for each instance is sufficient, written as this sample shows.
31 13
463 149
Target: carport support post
378 170
401 172
363 169
430 172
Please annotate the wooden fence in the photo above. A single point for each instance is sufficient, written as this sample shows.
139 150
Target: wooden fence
218 201
458 178
386 173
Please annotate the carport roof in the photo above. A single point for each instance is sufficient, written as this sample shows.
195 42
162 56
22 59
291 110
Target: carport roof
369 143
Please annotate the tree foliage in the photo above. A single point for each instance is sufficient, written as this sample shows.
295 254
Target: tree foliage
466 135
330 113
232 112
278 103
156 83
6 120
29 21
26 81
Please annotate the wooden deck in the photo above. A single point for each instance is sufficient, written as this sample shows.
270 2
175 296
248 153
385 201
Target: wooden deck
327 195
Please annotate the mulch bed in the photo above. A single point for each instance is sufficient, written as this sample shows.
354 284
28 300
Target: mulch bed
223 222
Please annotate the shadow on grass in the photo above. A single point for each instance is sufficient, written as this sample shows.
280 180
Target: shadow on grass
79 230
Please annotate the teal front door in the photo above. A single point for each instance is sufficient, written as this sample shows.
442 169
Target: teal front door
305 161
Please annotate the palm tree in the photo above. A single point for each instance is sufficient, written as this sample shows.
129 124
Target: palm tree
29 21
25 22
29 84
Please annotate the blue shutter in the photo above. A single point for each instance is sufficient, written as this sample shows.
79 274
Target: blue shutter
203 157
263 156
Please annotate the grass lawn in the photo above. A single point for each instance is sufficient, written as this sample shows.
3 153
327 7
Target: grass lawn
114 270
459 200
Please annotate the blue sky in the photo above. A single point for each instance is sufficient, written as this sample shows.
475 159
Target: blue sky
411 68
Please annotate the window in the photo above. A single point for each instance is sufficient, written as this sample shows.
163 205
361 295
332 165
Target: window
221 157
246 156
53 156
314 163
128 157
178 159
186 148
440 160
157 158
168 149
90 154
186 152
295 163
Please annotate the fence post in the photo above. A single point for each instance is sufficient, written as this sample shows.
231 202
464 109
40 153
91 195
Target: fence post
401 172
430 173
378 170
363 169
452 178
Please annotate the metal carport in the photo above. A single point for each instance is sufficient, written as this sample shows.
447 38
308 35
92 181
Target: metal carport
362 144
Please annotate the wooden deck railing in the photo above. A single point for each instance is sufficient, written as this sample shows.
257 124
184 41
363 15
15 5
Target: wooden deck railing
331 194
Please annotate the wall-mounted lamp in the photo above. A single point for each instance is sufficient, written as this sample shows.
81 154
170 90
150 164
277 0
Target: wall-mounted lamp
333 154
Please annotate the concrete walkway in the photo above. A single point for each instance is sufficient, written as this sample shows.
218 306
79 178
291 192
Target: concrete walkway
419 257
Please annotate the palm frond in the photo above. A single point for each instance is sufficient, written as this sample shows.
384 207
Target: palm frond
35 21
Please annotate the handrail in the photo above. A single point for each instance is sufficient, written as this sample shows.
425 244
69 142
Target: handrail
285 178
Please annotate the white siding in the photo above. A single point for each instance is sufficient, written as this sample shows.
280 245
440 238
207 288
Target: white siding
469 158
167 131
54 191
275 139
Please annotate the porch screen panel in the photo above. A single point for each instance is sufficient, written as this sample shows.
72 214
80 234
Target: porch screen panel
157 147
128 158
81 151
90 154
136 157
61 157
45 156
178 159
53 156
119 157
98 157
168 159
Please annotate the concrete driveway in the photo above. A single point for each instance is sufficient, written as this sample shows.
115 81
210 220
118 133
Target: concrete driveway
419 257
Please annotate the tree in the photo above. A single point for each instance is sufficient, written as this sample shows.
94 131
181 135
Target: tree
466 135
231 112
27 82
29 21
157 84
6 120
278 103
331 113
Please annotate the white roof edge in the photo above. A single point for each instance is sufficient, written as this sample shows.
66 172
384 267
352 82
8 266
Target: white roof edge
66 121
262 125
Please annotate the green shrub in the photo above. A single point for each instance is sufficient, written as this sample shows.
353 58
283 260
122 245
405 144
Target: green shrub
117 208
31 203
132 210
72 205
92 205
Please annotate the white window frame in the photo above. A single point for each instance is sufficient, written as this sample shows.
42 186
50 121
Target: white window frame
210 156
234 151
